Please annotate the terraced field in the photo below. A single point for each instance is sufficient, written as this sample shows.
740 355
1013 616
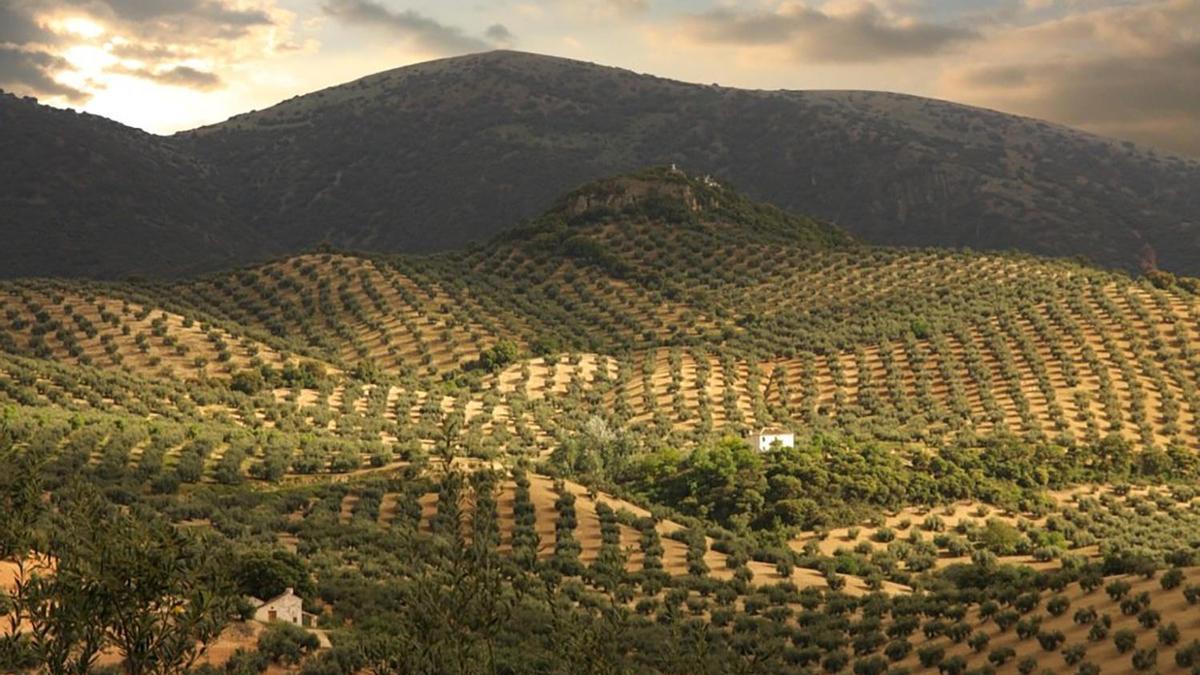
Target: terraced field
605 304
560 403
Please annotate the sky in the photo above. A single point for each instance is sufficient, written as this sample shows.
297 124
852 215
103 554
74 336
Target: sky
1121 68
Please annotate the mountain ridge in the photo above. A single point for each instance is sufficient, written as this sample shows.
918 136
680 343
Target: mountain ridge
433 156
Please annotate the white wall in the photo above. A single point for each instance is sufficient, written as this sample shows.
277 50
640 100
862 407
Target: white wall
287 608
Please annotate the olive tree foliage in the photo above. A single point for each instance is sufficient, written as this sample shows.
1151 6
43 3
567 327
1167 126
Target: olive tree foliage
49 623
91 576
453 606
460 603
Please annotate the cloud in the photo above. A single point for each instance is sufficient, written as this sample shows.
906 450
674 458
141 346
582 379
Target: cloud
179 20
423 31
1131 72
33 71
861 32
158 40
177 76
18 27
499 35
147 52
207 10
26 65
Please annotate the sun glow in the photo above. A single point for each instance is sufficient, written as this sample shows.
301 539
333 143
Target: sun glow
80 26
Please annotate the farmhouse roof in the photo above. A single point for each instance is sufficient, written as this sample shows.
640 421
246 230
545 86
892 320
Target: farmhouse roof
287 592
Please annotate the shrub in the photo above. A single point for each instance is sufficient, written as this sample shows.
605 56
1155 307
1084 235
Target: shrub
931 655
1168 635
243 662
1117 589
1171 579
896 650
286 644
955 665
978 641
1085 615
1006 619
1050 640
1001 655
1189 656
835 661
1145 659
873 665
958 632
1125 640
1074 654
1058 605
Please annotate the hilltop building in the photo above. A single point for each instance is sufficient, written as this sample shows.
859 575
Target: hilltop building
287 607
768 436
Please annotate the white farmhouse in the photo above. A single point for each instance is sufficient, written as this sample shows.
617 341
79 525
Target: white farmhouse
768 436
287 607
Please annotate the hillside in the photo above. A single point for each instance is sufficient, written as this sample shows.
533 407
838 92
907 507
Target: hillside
684 308
433 156
527 454
85 196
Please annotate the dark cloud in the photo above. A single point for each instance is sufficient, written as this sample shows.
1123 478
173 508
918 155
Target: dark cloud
32 71
499 35
408 24
178 76
25 65
147 52
209 11
18 27
180 20
865 34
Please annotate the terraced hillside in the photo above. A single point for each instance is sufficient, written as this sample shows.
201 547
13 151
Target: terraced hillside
667 304
994 466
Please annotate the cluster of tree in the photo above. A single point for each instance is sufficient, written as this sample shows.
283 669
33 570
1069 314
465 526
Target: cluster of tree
90 576
826 478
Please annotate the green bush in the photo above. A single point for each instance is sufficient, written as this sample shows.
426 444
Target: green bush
286 644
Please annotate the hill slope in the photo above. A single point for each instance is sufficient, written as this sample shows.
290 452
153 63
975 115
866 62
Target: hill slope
435 155
380 157
671 305
85 196
563 398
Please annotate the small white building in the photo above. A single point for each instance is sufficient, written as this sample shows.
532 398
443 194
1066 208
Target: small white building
287 607
769 436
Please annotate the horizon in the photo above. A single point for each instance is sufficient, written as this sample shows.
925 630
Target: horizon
1116 69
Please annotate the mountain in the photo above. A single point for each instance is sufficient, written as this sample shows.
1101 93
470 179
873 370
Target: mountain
85 196
436 155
